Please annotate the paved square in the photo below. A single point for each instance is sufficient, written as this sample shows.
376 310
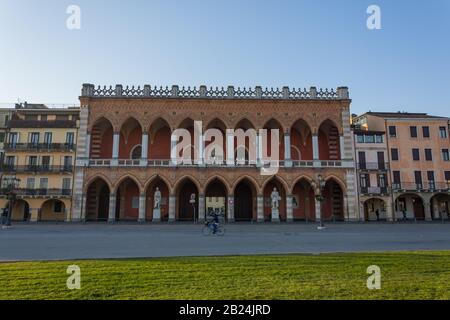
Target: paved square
98 241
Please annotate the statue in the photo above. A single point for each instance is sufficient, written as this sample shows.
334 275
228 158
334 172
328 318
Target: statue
275 196
157 199
157 205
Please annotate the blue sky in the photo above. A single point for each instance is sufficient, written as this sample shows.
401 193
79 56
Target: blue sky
299 43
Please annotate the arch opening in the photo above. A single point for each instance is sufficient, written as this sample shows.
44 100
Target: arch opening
150 200
186 210
127 201
245 201
97 201
301 141
329 141
101 139
130 138
303 201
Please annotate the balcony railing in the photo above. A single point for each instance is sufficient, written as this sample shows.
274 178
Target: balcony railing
372 166
374 190
36 169
40 147
215 163
428 187
39 192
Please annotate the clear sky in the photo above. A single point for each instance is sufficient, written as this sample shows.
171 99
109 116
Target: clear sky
299 43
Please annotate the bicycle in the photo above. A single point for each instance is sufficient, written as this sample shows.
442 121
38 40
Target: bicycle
208 229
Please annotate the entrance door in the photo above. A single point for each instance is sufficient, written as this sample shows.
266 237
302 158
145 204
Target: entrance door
243 203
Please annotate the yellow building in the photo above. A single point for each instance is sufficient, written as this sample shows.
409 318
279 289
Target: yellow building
40 151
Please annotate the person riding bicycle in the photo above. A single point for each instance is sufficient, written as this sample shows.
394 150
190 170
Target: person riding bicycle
215 220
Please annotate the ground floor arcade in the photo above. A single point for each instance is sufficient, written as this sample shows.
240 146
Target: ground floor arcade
422 206
28 209
240 196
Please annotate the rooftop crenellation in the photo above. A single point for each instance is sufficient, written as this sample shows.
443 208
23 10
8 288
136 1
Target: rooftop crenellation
204 92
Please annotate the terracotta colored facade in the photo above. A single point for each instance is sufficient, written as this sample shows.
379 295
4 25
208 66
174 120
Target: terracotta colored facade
124 154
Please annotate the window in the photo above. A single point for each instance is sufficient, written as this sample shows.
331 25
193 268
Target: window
418 179
13 138
66 184
430 176
48 138
392 131
43 117
428 155
62 117
380 160
46 160
31 183
43 183
67 162
413 131
415 154
31 117
135 202
32 161
34 138
2 137
394 154
447 175
369 138
10 161
445 155
362 159
426 132
382 181
396 179
70 138
443 132
379 138
6 120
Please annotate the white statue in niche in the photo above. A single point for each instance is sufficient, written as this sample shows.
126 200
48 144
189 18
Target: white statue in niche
157 199
275 196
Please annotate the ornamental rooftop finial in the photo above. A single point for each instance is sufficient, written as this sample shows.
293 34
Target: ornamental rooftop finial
203 92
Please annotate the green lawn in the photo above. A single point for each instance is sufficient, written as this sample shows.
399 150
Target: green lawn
406 275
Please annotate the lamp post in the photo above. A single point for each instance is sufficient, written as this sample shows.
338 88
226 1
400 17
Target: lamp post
320 186
9 186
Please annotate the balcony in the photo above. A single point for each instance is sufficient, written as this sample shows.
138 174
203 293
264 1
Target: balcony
20 123
374 190
431 186
215 163
36 169
41 192
40 147
376 166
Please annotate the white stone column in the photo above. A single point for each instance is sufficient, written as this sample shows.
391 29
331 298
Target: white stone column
289 209
144 149
259 154
88 146
201 208
172 208
318 209
112 208
435 205
287 150
427 211
201 150
316 154
142 203
389 211
173 150
342 147
230 207
260 208
230 148
115 151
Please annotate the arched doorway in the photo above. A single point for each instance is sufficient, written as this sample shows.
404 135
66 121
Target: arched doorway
216 151
127 197
301 141
244 201
101 144
333 204
269 187
303 201
216 199
245 149
20 210
97 201
130 137
329 141
410 206
52 210
187 211
159 183
375 210
159 146
270 125
440 206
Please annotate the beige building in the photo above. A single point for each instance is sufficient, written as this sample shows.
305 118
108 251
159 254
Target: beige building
418 147
5 116
40 151
372 175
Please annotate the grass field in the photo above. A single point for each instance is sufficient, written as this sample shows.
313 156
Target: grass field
412 275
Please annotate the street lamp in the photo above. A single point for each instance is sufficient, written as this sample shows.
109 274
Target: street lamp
9 186
320 186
